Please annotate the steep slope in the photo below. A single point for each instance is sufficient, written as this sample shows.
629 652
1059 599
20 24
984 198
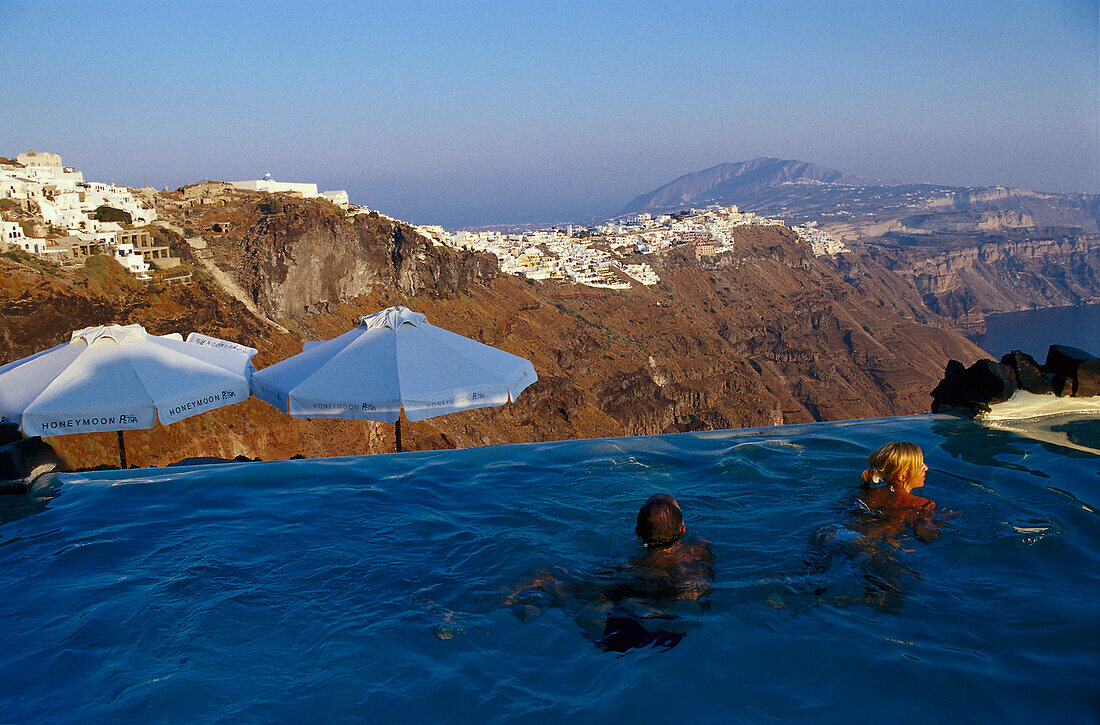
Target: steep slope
765 335
310 254
969 251
968 283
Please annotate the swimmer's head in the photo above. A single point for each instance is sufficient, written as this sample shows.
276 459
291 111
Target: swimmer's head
660 521
898 464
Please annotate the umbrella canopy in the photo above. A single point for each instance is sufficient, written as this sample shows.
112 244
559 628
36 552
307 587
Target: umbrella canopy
394 359
119 377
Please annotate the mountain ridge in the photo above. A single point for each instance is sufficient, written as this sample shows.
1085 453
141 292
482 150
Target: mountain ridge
801 191
721 180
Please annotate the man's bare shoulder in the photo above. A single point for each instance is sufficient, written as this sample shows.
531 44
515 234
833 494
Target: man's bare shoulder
699 550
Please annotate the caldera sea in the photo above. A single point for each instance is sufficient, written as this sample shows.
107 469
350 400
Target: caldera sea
1034 331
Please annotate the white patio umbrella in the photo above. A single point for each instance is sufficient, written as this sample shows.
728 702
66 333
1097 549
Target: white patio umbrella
120 377
393 360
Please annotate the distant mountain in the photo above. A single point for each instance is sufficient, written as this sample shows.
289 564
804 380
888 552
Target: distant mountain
859 209
726 183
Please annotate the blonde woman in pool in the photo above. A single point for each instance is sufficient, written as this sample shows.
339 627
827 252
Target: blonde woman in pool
894 471
881 511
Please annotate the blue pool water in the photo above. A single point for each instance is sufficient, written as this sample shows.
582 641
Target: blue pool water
368 589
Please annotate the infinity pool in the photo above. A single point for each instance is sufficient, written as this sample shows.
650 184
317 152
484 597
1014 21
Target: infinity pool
370 588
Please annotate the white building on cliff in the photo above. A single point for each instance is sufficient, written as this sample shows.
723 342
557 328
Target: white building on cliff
305 190
67 204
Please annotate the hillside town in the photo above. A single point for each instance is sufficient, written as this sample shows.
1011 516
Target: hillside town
66 219
607 255
75 219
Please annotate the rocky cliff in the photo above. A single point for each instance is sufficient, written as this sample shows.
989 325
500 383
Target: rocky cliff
764 335
969 251
966 284
309 254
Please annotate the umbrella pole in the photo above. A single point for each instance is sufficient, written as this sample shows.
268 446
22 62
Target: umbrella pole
397 432
121 451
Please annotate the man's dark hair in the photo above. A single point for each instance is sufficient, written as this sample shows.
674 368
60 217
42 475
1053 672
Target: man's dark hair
660 520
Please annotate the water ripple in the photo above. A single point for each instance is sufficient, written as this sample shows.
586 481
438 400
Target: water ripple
370 588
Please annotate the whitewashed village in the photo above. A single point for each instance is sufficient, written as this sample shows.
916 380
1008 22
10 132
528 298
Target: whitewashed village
598 256
75 219
78 219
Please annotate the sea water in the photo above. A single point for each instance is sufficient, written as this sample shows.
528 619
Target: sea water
371 588
1034 331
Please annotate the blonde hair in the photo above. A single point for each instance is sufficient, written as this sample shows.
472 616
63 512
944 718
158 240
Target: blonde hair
894 463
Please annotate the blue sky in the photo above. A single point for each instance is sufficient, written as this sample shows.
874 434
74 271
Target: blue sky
476 113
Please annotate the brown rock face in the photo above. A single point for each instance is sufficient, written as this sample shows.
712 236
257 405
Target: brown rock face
966 284
309 255
765 335
1088 379
1028 375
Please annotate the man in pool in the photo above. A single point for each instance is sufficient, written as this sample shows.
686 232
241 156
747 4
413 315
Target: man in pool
637 604
686 568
